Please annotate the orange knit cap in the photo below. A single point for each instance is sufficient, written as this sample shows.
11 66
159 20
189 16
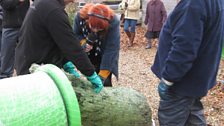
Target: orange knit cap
99 16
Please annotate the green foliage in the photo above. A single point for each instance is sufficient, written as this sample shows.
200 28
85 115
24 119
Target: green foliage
71 18
71 9
113 106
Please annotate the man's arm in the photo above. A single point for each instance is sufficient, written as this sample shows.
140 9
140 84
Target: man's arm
58 25
187 33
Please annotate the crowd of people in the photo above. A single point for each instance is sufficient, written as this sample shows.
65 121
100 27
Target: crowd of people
186 62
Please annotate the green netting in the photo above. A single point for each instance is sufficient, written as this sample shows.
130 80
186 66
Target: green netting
31 100
38 99
67 93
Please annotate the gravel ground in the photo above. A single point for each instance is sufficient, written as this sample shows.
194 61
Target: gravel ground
134 69
134 72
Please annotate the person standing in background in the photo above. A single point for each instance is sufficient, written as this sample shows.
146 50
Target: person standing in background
187 60
155 17
14 12
132 10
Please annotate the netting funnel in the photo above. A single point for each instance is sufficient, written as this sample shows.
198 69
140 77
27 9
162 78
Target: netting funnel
44 98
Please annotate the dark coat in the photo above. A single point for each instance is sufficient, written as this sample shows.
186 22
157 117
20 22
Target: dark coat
1 17
14 12
190 46
155 15
47 37
110 44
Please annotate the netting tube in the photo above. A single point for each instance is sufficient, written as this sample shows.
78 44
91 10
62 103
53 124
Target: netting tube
66 91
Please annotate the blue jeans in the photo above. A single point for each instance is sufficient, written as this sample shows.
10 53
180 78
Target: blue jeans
181 111
9 40
129 23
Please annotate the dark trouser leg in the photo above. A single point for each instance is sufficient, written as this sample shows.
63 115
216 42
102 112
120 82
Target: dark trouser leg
108 82
96 62
156 36
181 111
196 117
0 45
9 40
149 44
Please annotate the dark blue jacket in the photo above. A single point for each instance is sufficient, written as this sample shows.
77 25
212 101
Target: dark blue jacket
190 46
110 44
1 17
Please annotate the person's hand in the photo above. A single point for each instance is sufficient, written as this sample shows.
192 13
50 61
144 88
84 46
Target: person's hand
91 38
126 4
70 68
96 81
164 89
88 47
